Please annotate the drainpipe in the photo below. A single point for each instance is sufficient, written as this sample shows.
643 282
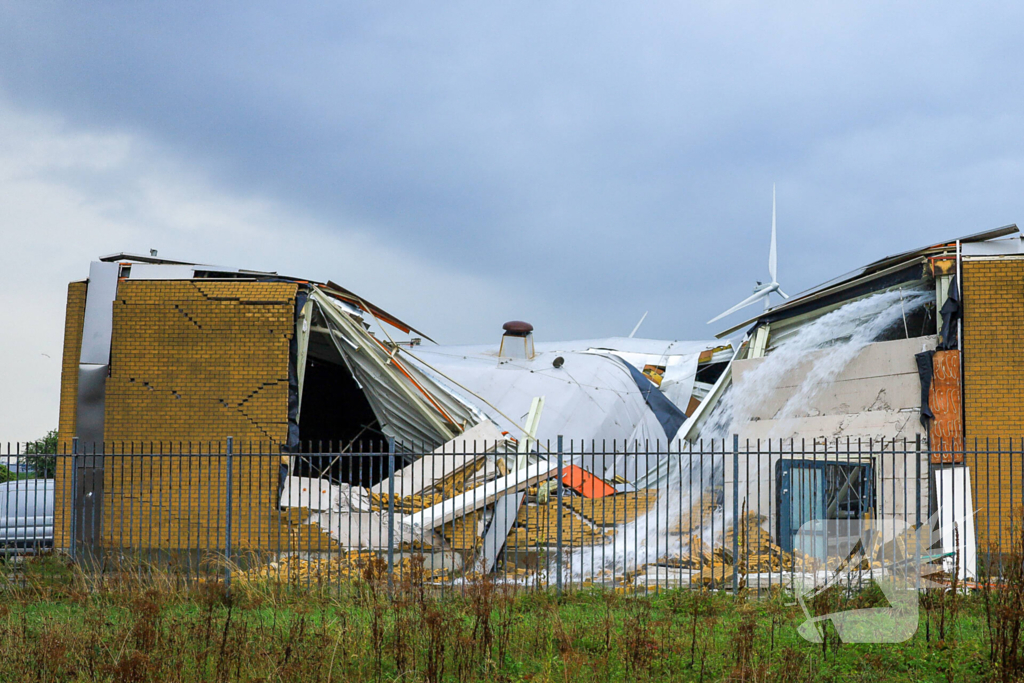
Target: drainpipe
960 348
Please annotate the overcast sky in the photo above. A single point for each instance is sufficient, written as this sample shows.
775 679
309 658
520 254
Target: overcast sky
570 164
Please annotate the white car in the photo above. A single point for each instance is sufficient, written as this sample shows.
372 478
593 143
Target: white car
26 515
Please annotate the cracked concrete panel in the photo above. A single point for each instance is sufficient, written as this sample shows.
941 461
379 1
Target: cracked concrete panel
875 398
883 377
868 425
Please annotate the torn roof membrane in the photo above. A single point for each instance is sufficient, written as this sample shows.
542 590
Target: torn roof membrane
410 407
889 266
377 312
918 269
589 385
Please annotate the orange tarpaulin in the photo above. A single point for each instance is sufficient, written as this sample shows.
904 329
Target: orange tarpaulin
585 483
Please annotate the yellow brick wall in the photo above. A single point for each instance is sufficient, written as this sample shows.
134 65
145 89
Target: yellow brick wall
199 361
74 316
994 390
193 362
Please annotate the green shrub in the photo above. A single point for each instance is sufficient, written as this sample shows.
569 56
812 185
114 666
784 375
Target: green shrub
41 455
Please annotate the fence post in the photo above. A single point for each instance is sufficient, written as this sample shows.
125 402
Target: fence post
917 479
74 496
917 517
735 513
227 521
558 511
391 508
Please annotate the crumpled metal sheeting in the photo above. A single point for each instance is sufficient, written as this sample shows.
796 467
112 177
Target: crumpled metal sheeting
410 406
592 396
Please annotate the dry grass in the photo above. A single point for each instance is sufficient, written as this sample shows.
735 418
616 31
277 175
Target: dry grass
136 624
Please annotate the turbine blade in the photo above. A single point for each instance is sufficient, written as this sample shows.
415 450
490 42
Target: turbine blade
772 254
743 304
642 318
784 295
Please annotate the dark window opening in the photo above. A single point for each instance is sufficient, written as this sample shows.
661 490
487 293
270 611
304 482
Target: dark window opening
920 322
711 372
336 424
820 504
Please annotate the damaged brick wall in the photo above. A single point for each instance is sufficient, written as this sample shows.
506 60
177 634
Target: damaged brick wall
195 362
199 361
192 362
74 318
993 400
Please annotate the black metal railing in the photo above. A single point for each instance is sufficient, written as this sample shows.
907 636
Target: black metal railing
722 514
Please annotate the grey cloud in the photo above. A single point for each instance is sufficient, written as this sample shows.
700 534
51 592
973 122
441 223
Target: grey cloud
606 161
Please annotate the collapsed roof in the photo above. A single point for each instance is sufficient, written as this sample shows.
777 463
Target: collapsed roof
935 265
602 391
891 271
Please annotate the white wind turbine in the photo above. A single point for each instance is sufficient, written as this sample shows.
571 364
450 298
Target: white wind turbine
761 291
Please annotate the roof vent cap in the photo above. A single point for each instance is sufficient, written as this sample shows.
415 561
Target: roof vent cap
517 328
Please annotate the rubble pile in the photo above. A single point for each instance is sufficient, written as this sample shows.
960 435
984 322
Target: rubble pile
471 476
757 552
610 511
442 507
699 515
699 563
510 573
537 525
348 566
465 533
404 505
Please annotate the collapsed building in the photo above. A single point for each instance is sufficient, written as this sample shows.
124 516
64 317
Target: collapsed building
163 357
919 345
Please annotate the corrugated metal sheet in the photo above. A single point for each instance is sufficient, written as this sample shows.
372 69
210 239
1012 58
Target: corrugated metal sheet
409 406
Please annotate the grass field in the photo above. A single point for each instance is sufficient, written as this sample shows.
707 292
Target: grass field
134 627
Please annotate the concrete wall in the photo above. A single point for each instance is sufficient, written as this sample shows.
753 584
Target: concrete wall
873 406
877 395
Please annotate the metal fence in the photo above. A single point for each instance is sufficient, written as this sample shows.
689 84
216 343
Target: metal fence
720 514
